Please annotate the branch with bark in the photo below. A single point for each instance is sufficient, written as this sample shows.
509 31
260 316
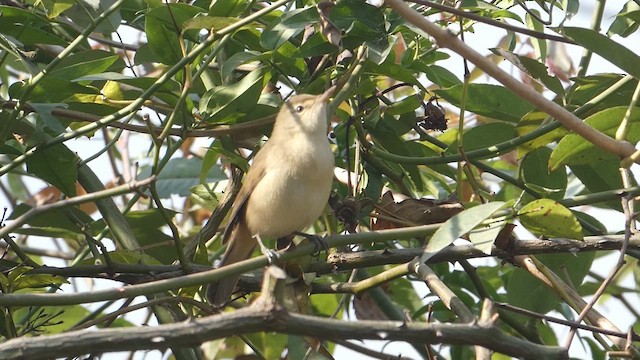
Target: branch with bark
262 317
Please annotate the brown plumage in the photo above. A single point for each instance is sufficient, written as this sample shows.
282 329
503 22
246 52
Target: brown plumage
285 189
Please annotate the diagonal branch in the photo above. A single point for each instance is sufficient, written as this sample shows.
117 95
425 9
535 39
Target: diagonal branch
570 121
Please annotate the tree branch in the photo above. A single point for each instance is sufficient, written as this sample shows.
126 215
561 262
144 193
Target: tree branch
261 318
569 120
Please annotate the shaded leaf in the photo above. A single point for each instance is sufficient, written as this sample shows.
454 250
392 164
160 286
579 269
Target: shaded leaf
213 23
610 50
601 174
492 101
287 26
163 26
54 223
86 63
180 174
484 136
227 103
532 68
57 165
535 174
528 292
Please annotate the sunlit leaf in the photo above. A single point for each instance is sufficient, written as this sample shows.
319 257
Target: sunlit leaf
550 218
573 149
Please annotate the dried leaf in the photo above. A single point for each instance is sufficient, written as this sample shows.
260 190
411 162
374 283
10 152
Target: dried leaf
327 28
413 212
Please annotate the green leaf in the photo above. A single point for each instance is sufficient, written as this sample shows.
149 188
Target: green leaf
533 68
530 293
16 15
287 26
461 224
163 42
348 12
54 223
384 133
549 218
585 218
573 149
483 237
627 20
393 70
408 104
179 175
588 87
52 90
56 165
492 101
484 136
404 294
539 45
19 278
316 45
83 14
227 7
124 257
378 49
228 103
62 318
531 122
29 35
230 64
85 63
212 23
535 174
270 345
159 248
163 26
610 50
437 74
146 226
601 175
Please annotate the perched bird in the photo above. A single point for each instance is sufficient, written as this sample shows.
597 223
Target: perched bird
286 188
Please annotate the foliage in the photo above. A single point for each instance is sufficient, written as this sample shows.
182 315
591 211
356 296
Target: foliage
116 152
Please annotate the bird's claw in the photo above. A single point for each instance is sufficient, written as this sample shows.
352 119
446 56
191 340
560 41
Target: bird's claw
319 242
272 255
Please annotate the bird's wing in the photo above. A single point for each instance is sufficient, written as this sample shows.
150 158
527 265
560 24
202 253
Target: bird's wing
254 175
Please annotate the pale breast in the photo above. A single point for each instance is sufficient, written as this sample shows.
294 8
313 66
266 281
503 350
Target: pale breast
293 192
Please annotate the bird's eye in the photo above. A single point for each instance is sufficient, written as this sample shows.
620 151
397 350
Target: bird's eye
299 108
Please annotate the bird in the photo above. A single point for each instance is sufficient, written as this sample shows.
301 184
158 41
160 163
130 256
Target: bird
286 187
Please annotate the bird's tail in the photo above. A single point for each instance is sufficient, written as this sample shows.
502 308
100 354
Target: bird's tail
239 247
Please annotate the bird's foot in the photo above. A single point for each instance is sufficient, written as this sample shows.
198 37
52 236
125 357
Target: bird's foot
319 242
272 255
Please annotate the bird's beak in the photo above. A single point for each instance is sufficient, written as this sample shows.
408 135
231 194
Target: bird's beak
327 94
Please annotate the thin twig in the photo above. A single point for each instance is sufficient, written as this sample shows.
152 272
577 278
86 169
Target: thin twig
492 22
